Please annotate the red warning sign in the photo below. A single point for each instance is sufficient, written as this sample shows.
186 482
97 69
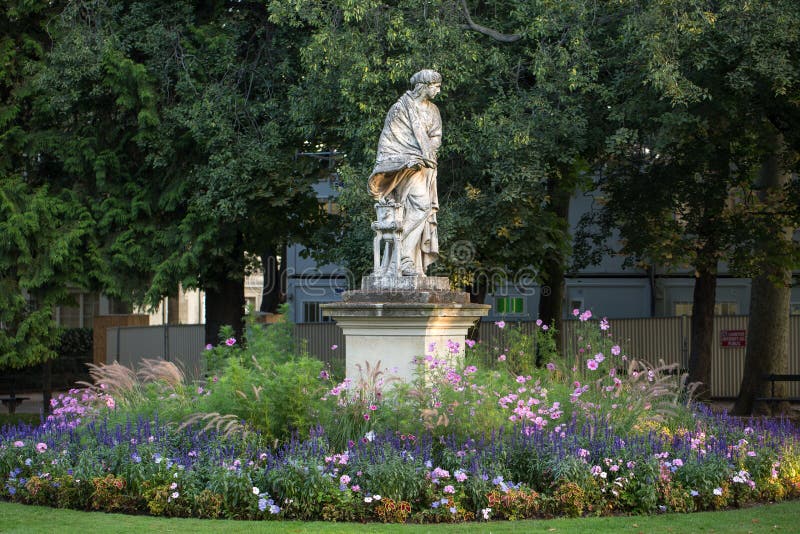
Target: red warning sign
733 338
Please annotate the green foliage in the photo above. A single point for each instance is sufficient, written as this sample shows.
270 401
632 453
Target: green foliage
515 116
76 343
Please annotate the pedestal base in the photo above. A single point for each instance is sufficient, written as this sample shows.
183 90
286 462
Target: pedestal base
397 331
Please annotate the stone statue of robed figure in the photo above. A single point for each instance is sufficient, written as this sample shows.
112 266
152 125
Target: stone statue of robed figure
403 181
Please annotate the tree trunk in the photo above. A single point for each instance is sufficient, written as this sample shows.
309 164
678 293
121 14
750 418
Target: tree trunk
767 342
225 306
770 292
47 386
224 287
705 289
552 278
271 293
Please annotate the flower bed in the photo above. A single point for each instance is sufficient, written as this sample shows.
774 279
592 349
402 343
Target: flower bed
600 435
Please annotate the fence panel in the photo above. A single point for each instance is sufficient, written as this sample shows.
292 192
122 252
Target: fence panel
180 344
727 362
324 341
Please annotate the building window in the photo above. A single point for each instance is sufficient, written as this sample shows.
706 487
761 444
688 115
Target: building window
720 308
312 313
509 305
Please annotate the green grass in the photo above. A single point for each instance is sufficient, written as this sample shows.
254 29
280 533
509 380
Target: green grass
781 517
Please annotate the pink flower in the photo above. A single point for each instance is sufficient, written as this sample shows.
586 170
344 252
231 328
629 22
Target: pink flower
592 365
599 357
373 407
344 480
470 369
585 316
576 312
448 489
469 342
615 350
604 324
355 487
41 447
19 444
366 417
521 379
110 402
545 327
230 341
501 358
500 324
334 347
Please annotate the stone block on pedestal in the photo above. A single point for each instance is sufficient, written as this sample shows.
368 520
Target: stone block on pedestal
394 326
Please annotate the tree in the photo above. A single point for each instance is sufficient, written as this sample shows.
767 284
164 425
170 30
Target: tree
170 121
699 88
45 233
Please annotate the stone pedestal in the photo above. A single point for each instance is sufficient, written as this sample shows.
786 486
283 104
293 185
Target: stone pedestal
396 325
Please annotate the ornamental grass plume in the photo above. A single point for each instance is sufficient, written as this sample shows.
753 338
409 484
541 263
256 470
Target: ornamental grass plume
113 378
228 425
161 371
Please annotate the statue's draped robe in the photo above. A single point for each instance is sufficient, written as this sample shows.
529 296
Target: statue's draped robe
411 136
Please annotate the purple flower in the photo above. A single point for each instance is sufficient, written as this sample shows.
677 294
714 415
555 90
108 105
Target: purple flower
500 324
209 346
469 342
551 366
334 347
324 374
231 341
262 504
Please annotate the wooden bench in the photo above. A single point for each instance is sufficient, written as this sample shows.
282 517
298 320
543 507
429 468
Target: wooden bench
12 401
772 378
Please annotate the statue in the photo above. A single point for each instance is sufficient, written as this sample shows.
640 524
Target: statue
404 179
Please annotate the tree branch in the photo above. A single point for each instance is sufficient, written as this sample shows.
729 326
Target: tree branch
494 34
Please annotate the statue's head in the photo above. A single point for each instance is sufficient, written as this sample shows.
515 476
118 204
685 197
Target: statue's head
426 79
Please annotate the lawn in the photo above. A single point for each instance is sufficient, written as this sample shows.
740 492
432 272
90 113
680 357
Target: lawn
780 517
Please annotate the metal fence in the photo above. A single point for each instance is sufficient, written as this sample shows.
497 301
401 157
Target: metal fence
179 344
649 339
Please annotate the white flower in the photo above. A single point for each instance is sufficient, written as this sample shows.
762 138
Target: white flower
717 491
486 512
377 497
367 500
256 491
370 435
